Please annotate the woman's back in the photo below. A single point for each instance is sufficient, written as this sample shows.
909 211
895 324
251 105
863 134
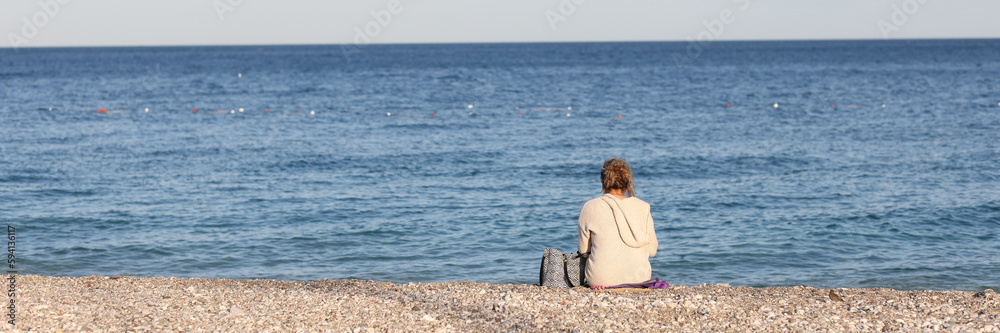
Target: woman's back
620 237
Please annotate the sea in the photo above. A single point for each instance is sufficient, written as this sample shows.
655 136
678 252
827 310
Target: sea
766 163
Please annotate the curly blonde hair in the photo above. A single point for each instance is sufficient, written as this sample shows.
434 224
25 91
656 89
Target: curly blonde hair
616 175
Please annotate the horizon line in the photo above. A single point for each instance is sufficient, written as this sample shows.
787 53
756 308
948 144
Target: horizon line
7 47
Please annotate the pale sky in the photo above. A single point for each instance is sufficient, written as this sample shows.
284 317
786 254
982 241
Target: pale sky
25 23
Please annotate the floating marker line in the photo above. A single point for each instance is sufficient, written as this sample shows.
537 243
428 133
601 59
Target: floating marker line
469 107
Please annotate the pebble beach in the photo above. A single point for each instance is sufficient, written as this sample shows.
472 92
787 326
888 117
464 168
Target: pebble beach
131 304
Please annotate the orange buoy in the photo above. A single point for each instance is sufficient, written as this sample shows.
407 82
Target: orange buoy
103 111
267 111
195 110
729 105
619 116
517 108
832 106
520 113
434 114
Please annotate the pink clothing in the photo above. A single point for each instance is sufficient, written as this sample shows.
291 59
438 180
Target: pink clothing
620 238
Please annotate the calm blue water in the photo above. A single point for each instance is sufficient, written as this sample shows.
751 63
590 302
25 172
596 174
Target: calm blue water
854 195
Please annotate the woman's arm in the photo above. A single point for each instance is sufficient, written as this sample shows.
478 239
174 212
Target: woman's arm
653 243
583 242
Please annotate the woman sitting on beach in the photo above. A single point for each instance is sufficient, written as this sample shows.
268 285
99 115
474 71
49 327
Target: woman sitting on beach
617 230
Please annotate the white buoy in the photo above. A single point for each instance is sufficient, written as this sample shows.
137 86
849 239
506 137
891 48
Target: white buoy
567 114
147 109
883 105
50 109
569 108
775 105
241 109
312 112
232 111
388 114
239 74
470 106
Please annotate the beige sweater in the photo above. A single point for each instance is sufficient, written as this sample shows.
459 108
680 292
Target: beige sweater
620 238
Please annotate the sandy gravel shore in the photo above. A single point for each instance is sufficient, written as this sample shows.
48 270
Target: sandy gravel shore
128 304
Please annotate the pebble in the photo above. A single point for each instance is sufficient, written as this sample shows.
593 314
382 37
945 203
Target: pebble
101 304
